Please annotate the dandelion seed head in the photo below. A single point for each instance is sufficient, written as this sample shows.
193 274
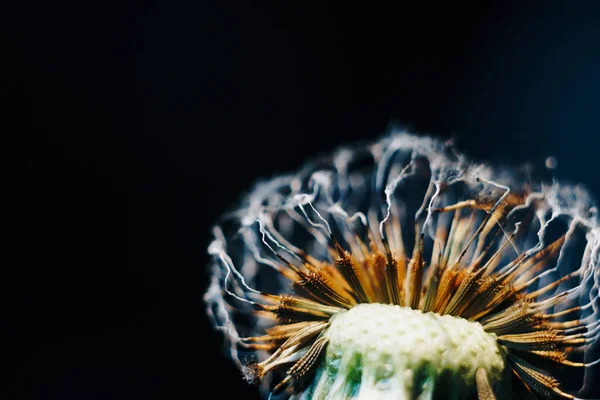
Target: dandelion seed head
409 223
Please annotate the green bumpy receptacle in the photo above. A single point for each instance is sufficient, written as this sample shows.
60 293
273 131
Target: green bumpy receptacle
381 351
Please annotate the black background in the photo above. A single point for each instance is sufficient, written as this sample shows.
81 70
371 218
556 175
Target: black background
128 127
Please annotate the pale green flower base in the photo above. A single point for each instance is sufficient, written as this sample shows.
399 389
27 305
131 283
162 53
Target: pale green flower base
380 351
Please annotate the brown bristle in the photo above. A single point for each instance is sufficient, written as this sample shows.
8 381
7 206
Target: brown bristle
347 266
317 285
536 340
536 379
306 366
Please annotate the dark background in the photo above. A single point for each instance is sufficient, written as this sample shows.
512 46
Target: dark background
128 127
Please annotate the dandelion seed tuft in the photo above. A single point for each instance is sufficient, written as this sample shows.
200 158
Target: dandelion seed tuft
400 269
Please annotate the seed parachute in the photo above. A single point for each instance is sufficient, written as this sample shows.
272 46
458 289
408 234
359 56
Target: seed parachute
401 270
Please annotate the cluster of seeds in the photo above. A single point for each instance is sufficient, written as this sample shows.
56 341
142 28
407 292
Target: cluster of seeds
399 270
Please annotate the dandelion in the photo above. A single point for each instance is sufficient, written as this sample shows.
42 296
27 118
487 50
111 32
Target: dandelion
401 270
